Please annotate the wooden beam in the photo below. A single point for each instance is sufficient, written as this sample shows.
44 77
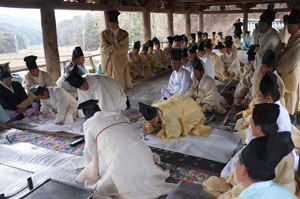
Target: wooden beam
241 11
188 25
50 41
245 22
22 4
106 19
170 24
201 22
231 2
147 26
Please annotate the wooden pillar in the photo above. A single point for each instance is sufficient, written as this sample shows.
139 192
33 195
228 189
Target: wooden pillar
188 25
245 22
50 41
147 26
170 24
201 22
106 19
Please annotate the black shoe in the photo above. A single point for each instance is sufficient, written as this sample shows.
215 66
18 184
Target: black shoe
128 103
20 117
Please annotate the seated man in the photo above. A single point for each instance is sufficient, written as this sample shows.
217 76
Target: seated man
221 38
264 126
57 101
163 59
193 40
4 118
148 62
204 91
218 66
256 166
180 78
14 99
247 41
231 63
192 52
208 63
236 42
134 61
35 76
221 48
175 117
120 165
157 66
107 90
74 66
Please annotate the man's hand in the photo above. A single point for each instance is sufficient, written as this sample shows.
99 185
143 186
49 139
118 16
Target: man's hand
21 110
59 123
144 129
5 126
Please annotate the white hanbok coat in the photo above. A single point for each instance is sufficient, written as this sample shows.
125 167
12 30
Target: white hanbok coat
66 86
120 165
107 90
60 103
179 82
208 66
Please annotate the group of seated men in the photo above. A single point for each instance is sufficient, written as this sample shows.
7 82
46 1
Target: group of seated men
113 149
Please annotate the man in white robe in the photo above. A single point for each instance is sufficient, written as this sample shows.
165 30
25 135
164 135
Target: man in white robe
109 93
55 100
119 165
204 91
206 58
268 39
74 66
180 78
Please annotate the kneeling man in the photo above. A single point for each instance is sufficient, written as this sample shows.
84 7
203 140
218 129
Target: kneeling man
57 101
120 165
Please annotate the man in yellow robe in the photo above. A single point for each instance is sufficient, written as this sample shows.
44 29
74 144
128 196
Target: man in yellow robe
221 38
214 41
159 53
289 66
114 50
204 91
236 42
148 62
172 118
167 50
35 76
269 39
134 61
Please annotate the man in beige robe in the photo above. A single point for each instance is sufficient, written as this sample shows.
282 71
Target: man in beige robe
134 61
268 39
236 42
204 91
289 66
167 50
162 57
114 50
148 62
35 76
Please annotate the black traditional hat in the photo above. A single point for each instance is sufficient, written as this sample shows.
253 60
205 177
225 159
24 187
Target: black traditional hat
266 113
206 34
149 112
201 46
113 15
285 18
213 33
268 16
247 32
75 80
207 43
220 33
37 90
193 48
251 53
294 17
185 38
269 84
269 58
170 39
145 47
89 108
228 43
176 54
177 38
155 40
220 45
197 64
199 34
181 37
30 62
150 43
4 71
77 53
184 53
137 45
193 35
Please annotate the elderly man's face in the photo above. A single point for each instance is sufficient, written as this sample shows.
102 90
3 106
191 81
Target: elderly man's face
228 51
175 64
34 72
113 25
198 75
